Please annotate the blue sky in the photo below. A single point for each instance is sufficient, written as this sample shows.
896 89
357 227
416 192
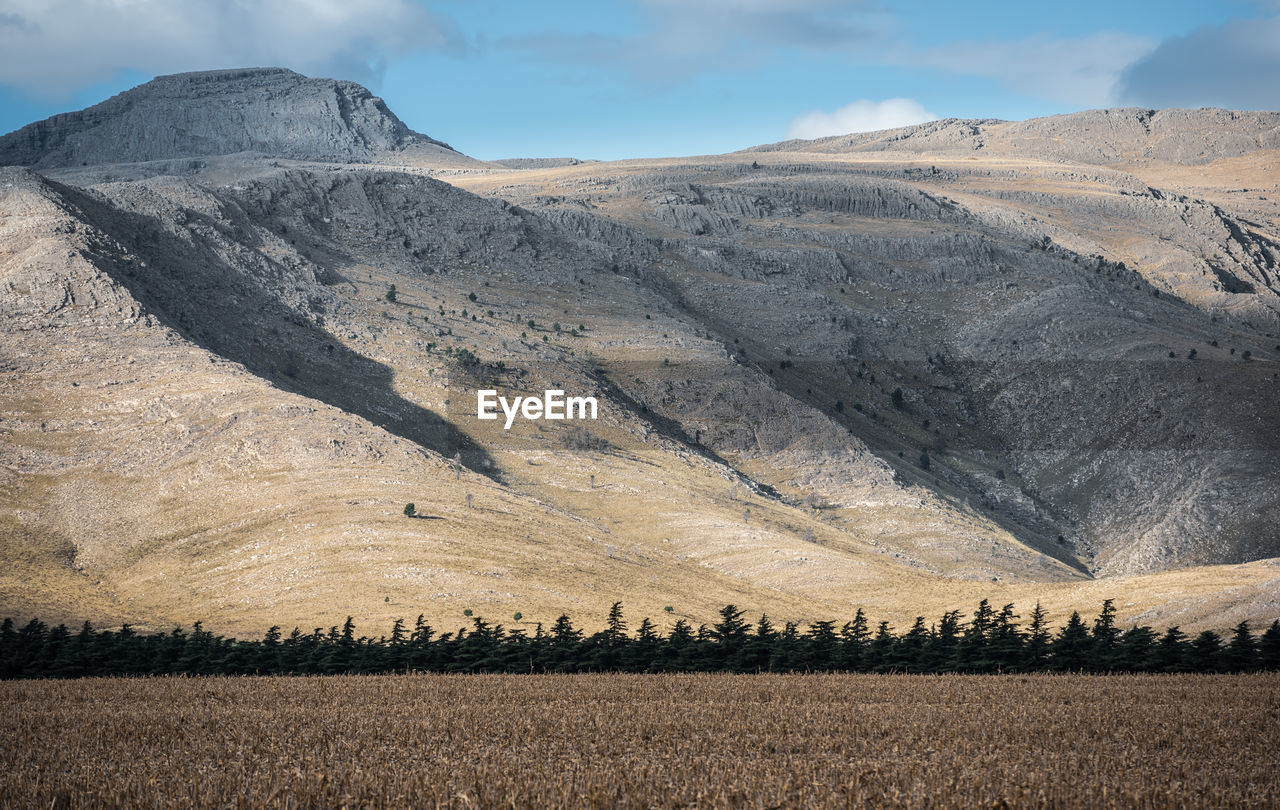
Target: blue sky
643 78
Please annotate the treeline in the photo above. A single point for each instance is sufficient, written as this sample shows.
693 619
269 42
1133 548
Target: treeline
987 641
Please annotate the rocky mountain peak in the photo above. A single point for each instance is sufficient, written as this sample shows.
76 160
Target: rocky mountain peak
273 111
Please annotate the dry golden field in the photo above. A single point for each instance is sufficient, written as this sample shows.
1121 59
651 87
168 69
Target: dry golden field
644 741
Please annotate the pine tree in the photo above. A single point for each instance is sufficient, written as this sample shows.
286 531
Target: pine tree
680 648
764 628
78 660
608 644
820 646
854 639
730 636
757 649
267 660
10 661
1269 647
1206 651
1006 640
1105 635
643 654
422 632
910 652
880 653
564 633
617 626
196 652
55 646
1169 654
482 649
731 628
940 655
1070 649
971 651
292 652
1133 653
1242 652
1036 651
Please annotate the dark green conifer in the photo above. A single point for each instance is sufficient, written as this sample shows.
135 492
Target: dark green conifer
1242 653
1036 650
1206 652
1071 648
1269 647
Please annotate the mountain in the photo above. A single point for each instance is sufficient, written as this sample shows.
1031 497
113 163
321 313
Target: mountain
904 379
269 110
1038 315
1096 137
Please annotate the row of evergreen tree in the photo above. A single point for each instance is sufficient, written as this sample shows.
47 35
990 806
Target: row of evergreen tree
987 641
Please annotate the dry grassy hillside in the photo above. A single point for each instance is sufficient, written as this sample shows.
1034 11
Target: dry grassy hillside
827 380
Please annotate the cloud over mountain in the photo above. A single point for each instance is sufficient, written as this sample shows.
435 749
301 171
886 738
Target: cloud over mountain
55 46
1233 65
862 115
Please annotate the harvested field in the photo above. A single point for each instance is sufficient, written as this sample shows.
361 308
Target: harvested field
643 741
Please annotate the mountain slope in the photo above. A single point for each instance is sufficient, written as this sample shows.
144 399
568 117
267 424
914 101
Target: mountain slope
270 110
1039 319
898 380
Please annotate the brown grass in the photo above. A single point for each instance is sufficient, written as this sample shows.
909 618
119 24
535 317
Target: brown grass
643 741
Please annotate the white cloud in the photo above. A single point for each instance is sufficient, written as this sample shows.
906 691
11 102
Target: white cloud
1233 65
860 116
55 46
677 39
1084 71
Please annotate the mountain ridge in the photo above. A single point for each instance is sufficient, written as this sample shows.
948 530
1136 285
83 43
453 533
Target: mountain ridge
1099 136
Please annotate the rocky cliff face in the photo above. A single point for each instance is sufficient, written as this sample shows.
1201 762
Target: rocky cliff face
269 110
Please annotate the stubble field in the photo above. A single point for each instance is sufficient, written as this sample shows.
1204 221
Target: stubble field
643 741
